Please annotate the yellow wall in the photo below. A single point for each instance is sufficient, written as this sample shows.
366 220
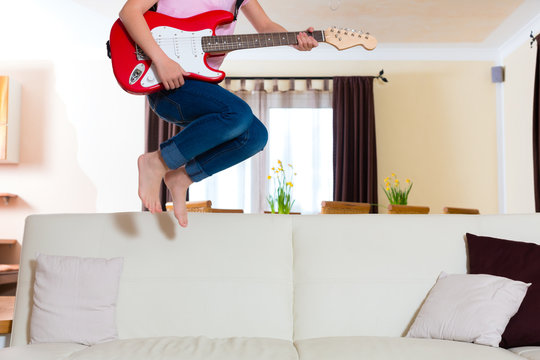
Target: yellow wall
435 123
518 111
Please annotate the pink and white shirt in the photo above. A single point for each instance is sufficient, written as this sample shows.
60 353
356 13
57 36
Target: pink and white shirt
188 8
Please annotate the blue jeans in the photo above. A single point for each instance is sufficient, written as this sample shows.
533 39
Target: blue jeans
220 129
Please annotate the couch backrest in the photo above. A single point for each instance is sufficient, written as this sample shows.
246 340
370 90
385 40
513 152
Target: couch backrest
368 274
225 275
232 274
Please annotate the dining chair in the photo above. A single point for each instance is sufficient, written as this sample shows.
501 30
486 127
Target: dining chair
204 206
407 209
455 210
344 207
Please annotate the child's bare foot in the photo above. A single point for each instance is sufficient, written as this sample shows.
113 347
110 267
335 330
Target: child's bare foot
178 182
151 171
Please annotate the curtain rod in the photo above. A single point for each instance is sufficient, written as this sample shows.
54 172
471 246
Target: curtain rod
380 76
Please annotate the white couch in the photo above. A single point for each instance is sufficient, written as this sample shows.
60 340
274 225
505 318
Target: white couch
234 286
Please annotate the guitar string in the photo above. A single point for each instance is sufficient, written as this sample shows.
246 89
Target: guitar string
226 43
233 41
232 38
263 35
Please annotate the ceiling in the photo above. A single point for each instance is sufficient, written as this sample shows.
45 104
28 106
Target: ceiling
488 22
478 27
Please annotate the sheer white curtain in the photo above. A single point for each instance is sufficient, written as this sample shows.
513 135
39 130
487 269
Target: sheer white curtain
298 116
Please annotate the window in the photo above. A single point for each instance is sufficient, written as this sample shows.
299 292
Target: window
303 137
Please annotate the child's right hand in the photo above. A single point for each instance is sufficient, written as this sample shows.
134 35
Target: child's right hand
170 73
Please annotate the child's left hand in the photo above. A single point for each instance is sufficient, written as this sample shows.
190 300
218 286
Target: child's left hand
305 42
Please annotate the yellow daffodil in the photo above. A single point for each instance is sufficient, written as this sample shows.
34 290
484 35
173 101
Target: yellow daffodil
396 194
280 200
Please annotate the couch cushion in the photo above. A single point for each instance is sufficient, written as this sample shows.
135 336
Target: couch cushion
225 275
389 348
193 348
46 351
75 299
471 308
528 352
367 275
518 261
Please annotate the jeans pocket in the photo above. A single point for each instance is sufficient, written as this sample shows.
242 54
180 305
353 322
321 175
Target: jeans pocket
166 108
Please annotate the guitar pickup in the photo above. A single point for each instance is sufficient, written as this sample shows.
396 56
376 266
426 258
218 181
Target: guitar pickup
140 53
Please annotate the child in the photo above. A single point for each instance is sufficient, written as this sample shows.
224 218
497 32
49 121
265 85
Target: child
220 129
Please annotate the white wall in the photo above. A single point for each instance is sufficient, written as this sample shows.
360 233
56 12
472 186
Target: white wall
80 133
518 113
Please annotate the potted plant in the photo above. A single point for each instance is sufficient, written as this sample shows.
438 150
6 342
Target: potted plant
280 200
398 197
394 192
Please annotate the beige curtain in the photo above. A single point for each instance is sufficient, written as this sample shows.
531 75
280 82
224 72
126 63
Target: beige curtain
263 94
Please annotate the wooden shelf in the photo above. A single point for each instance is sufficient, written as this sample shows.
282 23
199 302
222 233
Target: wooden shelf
7 242
7 304
7 196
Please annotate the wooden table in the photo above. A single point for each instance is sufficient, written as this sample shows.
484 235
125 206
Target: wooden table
7 303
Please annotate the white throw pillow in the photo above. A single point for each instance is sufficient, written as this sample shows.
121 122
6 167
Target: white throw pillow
470 308
75 299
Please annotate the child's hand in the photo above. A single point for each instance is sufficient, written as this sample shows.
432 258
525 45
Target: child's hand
305 42
170 73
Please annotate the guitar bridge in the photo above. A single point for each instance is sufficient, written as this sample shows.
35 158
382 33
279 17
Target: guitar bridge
140 53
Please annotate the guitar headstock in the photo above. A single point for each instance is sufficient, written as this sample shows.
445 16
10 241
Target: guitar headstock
345 38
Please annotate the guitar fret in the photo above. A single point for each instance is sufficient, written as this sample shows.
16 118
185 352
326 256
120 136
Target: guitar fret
292 38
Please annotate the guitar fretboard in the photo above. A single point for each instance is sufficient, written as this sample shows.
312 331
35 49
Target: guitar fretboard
250 41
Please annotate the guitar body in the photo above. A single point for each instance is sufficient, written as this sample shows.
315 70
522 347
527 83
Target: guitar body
176 37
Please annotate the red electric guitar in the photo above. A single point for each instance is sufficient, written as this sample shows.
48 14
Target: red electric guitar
191 40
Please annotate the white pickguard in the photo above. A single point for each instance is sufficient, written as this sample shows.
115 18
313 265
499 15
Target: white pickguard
184 47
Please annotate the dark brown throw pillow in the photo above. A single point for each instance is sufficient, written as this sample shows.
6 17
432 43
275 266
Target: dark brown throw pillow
517 261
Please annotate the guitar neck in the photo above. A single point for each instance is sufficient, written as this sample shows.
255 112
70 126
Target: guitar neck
224 43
